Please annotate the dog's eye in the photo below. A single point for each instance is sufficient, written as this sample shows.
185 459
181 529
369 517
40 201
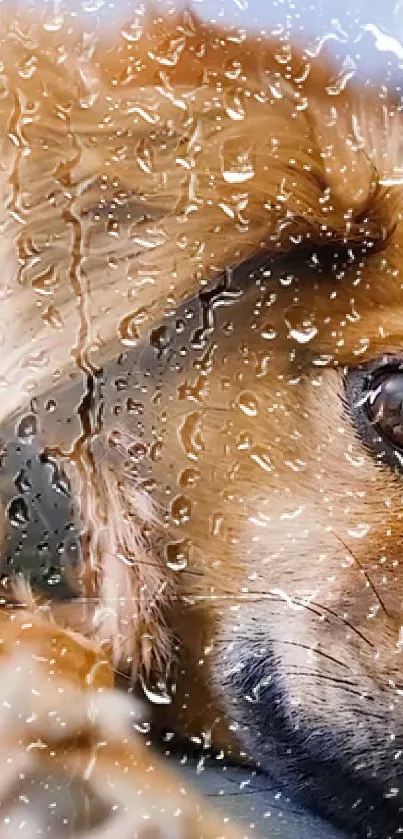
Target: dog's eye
375 396
385 407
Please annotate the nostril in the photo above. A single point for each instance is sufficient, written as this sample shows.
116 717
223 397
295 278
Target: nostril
40 539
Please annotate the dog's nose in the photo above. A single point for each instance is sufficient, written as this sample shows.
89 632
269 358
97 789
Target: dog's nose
41 539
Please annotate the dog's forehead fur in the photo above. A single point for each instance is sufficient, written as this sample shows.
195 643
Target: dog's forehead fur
219 144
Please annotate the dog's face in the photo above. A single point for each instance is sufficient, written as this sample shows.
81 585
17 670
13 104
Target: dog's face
281 464
241 488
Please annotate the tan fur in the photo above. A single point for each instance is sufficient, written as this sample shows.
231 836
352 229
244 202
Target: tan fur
133 172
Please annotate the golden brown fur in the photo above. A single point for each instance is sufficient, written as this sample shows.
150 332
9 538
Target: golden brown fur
134 172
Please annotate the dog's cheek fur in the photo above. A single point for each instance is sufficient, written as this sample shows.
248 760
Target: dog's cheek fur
306 592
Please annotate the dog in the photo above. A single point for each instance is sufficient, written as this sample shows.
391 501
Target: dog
201 419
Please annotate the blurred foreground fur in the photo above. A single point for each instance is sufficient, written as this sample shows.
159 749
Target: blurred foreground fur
133 171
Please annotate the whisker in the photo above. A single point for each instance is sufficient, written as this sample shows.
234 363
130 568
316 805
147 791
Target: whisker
312 606
365 573
155 565
344 620
343 684
315 650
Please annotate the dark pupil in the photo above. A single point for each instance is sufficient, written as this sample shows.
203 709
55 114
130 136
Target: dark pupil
385 407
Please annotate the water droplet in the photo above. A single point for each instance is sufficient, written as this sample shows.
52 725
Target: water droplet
244 441
239 176
385 42
27 427
137 451
286 280
234 104
17 512
268 332
248 404
35 360
360 531
121 384
261 457
52 317
54 23
262 365
156 450
233 69
189 477
180 326
112 227
347 72
242 5
169 52
196 391
223 294
300 323
71 551
178 555
53 576
144 157
363 345
297 465
160 339
181 509
132 31
191 437
237 166
216 524
355 460
323 360
22 481
133 407
158 695
143 727
58 477
128 331
27 67
150 238
47 282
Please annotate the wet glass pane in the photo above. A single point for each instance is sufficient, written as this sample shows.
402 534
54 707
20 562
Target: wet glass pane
201 419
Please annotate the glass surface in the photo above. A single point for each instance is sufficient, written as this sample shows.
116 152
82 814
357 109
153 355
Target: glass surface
201 472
